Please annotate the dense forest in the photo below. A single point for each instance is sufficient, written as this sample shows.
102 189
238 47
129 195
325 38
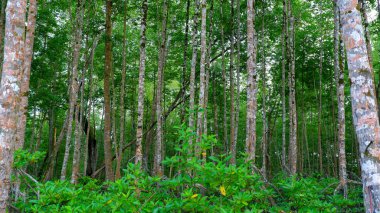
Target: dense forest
190 106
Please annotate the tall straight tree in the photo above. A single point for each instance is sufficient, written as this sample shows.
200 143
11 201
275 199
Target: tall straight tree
122 94
339 78
225 138
232 87
29 42
202 76
265 142
2 23
9 91
193 68
292 95
283 82
250 145
364 104
107 101
238 35
140 102
208 71
157 167
184 65
74 87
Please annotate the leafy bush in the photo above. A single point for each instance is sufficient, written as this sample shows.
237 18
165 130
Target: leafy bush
197 186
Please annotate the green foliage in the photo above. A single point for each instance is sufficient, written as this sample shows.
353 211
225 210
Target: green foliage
197 186
23 158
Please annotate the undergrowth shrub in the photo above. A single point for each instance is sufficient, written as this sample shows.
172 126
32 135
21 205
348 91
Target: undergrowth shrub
193 185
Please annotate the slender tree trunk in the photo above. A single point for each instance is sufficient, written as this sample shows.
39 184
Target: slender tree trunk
225 138
29 41
232 88
77 140
364 104
157 167
251 82
238 35
339 65
202 77
2 30
184 65
122 94
107 102
265 121
140 107
193 70
283 83
10 91
292 97
208 70
73 83
320 156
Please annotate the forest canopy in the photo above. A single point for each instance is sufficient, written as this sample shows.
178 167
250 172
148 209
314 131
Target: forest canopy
189 106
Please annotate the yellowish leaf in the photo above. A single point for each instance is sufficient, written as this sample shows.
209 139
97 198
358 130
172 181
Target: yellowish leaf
194 196
222 190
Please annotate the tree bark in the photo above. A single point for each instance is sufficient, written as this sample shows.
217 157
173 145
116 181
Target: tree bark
29 42
184 65
107 102
320 156
283 82
202 75
10 90
264 97
238 35
364 104
122 94
157 164
140 107
74 83
292 97
232 88
2 30
339 65
251 82
192 72
225 138
207 69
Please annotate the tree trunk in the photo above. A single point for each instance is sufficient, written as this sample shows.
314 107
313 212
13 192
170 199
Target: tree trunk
202 77
339 65
251 82
225 138
364 105
232 88
320 156
157 164
122 94
107 102
184 65
29 41
283 82
208 59
192 72
73 83
2 29
77 146
292 97
140 107
237 111
264 96
10 91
